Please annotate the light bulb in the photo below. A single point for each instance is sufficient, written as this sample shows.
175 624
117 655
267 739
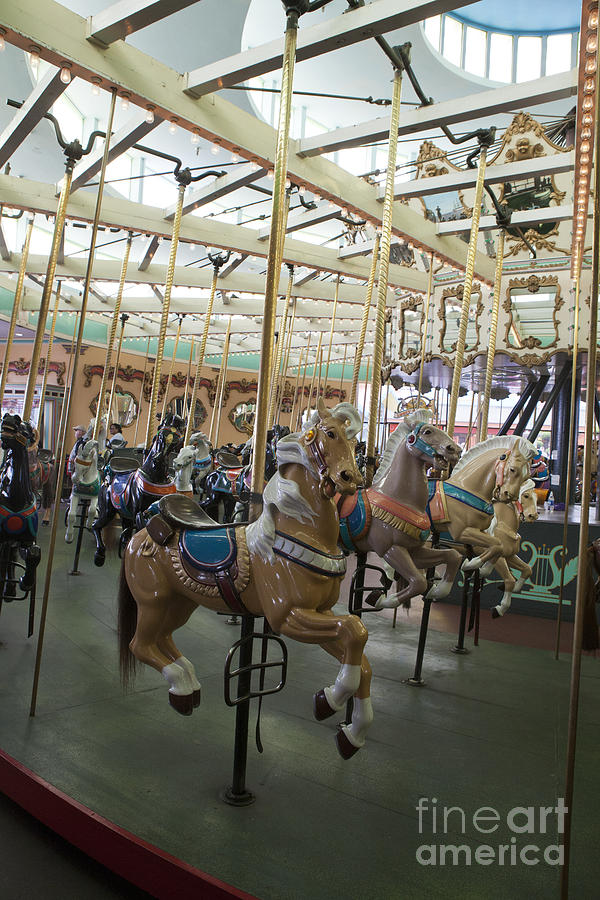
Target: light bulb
65 75
593 20
34 57
587 119
302 190
586 132
288 184
214 149
254 165
592 44
234 157
317 198
124 101
96 86
172 126
195 139
585 147
584 158
345 211
271 173
149 115
588 85
2 41
590 65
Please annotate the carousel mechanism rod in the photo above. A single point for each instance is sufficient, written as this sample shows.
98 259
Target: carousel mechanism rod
365 318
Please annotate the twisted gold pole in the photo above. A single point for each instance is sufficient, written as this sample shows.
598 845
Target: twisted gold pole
36 351
343 370
295 422
286 361
66 408
382 284
48 358
139 412
278 225
101 408
331 330
113 386
170 378
16 308
425 327
295 395
314 375
489 371
200 359
151 424
364 406
278 357
217 412
365 319
188 379
466 299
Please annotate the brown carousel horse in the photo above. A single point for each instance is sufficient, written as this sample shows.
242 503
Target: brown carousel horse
286 566
42 474
390 518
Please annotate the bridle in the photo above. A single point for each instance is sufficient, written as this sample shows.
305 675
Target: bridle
413 440
310 439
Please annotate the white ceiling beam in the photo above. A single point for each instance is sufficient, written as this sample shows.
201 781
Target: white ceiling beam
466 178
60 35
362 248
238 177
117 212
45 93
121 141
304 218
477 106
128 16
231 266
304 279
353 26
521 218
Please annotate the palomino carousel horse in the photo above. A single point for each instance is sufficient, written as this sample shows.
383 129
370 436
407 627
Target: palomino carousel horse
42 475
18 514
492 470
286 566
504 527
129 491
85 482
390 518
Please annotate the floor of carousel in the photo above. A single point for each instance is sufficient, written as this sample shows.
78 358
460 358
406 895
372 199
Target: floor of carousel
489 729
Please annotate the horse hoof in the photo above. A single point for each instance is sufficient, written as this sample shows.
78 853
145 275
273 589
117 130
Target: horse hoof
196 696
321 708
346 748
495 613
182 703
98 559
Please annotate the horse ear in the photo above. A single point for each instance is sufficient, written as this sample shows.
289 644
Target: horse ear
321 408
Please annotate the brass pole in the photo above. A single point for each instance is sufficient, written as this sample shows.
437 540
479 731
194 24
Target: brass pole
36 351
286 361
382 284
278 357
574 401
314 375
582 581
64 419
364 406
113 386
170 378
137 421
489 371
101 408
218 406
295 397
425 327
200 359
335 303
365 319
295 423
278 224
220 385
151 424
188 379
466 300
343 370
47 362
16 308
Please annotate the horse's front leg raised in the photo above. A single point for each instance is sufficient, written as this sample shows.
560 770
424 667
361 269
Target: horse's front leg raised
401 560
92 512
345 638
71 516
426 557
479 539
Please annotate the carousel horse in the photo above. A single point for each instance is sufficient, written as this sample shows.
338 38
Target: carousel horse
183 465
462 505
42 476
129 491
203 460
85 482
504 527
18 513
390 518
227 488
285 566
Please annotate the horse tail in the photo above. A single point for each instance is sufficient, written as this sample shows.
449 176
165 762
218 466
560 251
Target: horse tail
126 629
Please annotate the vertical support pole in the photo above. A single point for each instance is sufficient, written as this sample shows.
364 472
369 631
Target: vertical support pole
425 328
200 358
314 375
343 369
16 308
467 289
286 361
219 403
219 387
170 378
278 356
364 406
489 371
335 303
141 397
365 320
188 380
40 420
295 397
113 386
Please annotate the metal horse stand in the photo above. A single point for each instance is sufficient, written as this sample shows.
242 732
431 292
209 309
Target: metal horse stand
7 577
238 794
82 511
415 679
475 592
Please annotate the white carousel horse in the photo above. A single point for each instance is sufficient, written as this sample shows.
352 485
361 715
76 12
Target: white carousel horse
203 461
504 528
183 465
86 485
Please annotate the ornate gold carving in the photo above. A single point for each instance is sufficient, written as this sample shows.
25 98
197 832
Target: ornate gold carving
432 161
539 241
519 141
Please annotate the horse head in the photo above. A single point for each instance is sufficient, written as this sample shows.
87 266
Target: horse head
15 433
329 438
512 469
86 462
185 457
528 501
432 445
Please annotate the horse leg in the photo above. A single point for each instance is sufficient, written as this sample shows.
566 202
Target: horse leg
478 539
32 555
351 735
71 516
426 557
106 513
400 559
516 563
92 512
509 580
173 619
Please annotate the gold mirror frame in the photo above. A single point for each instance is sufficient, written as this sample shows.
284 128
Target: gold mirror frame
533 284
132 410
243 423
411 304
455 292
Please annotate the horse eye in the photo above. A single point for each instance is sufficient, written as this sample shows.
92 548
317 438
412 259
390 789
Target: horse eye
331 434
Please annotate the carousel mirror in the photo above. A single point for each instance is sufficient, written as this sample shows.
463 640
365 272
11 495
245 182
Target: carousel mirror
124 408
450 316
410 327
532 305
242 416
177 406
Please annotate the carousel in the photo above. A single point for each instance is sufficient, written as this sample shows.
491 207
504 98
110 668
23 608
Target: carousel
268 383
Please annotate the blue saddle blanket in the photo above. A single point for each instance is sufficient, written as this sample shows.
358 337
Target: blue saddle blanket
208 549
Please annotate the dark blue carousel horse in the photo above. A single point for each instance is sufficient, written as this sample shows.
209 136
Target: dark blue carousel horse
129 490
18 512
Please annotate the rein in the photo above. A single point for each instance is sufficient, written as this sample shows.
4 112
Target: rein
413 440
322 466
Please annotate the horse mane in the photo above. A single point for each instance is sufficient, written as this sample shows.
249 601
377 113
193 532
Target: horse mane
526 486
398 437
502 442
